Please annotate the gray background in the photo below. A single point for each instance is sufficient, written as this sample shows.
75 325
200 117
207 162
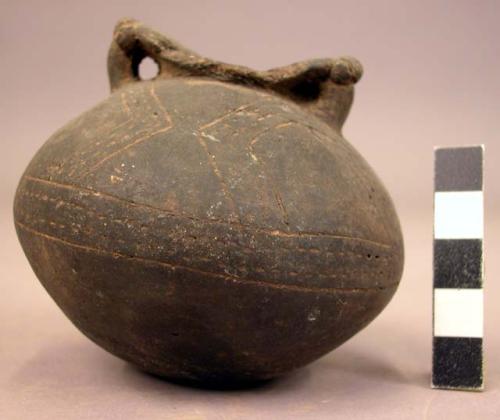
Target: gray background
431 78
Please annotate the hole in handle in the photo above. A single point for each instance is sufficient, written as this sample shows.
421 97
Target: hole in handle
307 90
148 69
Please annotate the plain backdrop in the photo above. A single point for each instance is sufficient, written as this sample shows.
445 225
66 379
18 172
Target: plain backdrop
432 77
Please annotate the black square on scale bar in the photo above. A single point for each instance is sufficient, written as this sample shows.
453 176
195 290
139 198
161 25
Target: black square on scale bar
458 263
457 363
459 169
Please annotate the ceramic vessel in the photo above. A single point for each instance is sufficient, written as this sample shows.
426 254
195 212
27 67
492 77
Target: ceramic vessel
211 224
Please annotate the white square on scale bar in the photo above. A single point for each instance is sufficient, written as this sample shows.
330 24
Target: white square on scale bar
458 313
458 215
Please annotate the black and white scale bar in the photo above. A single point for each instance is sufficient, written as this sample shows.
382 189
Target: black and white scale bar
457 357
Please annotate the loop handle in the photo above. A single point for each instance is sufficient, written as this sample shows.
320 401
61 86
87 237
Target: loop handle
132 42
323 86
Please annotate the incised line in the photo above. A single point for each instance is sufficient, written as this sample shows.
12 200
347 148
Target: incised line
125 104
215 168
90 149
277 196
160 105
141 139
58 202
281 206
283 125
232 279
224 116
257 137
128 146
114 129
270 232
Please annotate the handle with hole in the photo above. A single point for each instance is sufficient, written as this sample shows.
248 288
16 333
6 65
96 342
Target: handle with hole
132 42
322 86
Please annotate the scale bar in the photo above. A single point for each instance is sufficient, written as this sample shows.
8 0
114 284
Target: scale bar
457 361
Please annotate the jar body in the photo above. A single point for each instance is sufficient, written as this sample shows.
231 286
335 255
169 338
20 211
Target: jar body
207 231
